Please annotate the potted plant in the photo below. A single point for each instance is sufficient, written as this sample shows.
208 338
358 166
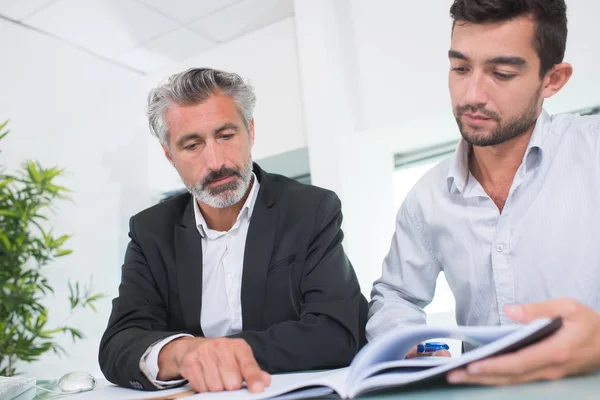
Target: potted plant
27 246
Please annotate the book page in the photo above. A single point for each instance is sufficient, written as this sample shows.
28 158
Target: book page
287 387
285 383
406 365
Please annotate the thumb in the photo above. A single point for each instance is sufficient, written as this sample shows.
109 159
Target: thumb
412 353
547 309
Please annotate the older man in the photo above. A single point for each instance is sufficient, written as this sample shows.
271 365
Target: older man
244 276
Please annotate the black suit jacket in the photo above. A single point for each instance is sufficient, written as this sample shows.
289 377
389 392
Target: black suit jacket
301 303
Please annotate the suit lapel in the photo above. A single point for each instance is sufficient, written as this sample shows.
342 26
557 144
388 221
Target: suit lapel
257 254
188 258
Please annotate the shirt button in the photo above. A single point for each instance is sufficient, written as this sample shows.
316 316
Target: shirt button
499 248
229 275
237 318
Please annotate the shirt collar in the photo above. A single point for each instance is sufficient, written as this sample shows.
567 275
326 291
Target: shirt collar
245 212
537 143
458 173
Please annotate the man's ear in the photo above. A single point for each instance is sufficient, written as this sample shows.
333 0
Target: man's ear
167 153
556 78
251 132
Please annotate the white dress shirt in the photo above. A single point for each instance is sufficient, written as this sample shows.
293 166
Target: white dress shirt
545 243
223 260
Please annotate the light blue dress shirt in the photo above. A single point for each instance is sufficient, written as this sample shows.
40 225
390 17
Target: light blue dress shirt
545 243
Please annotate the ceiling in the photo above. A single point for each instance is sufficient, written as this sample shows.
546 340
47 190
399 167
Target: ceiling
144 35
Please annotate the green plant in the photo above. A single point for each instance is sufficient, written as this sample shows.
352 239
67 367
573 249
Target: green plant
26 247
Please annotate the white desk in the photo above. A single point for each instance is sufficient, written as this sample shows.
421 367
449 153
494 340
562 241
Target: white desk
581 388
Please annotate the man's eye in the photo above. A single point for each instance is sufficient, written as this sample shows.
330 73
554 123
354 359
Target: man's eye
190 146
460 70
504 77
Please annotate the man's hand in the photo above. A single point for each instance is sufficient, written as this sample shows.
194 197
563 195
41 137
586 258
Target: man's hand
572 350
212 365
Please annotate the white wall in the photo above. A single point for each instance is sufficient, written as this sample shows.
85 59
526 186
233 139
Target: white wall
267 57
402 51
70 109
583 53
384 88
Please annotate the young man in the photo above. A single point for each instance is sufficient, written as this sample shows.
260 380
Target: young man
245 276
513 219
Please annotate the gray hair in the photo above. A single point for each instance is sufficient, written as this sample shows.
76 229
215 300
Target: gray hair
193 87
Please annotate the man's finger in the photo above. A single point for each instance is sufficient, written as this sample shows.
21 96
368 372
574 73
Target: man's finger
519 363
266 378
194 376
463 377
207 359
442 353
229 369
249 368
412 353
547 309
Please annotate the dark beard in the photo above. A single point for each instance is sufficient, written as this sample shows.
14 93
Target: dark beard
504 131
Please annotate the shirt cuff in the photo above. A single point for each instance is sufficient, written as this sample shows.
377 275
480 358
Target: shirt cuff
149 363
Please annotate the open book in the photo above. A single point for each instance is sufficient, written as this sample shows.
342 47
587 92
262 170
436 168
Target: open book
381 364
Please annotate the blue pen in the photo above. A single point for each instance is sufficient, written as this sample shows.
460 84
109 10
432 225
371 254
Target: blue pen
432 347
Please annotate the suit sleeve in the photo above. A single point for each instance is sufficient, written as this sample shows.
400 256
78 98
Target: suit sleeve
138 320
329 331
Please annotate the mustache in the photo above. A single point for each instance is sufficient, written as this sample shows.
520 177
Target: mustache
460 110
224 172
